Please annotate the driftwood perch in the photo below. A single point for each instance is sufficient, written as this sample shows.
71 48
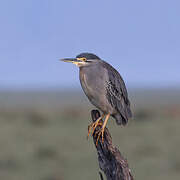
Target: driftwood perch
111 162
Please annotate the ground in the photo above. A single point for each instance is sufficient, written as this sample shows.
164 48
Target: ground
46 139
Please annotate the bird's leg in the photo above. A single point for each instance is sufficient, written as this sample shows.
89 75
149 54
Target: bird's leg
93 126
101 131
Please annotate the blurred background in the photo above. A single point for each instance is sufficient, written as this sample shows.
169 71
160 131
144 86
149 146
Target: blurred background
44 114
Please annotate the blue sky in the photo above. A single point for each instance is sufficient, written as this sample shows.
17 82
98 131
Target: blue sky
141 39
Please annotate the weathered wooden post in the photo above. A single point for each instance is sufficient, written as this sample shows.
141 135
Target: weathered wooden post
111 162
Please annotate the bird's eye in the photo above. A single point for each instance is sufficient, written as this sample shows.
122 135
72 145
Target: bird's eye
83 59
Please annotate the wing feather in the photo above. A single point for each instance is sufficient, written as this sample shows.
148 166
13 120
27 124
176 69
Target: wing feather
116 92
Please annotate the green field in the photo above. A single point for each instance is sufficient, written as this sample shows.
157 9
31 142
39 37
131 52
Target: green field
43 136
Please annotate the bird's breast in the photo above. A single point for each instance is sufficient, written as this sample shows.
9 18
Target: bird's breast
93 81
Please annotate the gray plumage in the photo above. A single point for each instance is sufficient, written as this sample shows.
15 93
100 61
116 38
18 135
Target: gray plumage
105 88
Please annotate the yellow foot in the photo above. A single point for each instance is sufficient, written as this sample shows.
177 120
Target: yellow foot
92 126
100 133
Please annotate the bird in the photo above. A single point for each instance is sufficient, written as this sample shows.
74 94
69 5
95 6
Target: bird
105 89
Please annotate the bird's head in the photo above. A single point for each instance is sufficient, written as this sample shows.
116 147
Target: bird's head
83 59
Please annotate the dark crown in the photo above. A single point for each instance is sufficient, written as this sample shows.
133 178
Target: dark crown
87 56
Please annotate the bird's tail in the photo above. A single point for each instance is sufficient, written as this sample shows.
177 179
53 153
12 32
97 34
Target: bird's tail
120 120
123 119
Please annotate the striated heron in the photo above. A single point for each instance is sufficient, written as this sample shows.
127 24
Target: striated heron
105 89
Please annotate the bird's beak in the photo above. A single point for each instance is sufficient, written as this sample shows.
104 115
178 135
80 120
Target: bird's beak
72 60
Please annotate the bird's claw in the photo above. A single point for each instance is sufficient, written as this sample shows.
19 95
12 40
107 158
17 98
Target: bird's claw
98 134
92 127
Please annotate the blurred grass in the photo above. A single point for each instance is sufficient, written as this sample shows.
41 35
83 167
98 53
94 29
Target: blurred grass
43 137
